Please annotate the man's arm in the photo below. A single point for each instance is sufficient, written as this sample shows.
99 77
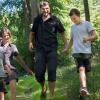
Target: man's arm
70 44
31 35
90 38
22 63
64 41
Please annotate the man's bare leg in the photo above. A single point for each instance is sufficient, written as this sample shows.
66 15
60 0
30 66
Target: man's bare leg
51 88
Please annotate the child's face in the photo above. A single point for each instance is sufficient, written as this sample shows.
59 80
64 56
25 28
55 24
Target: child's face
75 19
6 36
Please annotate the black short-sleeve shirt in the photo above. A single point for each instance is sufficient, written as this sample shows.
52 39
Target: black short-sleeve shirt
46 32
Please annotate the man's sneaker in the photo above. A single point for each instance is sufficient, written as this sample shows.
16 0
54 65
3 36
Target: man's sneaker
84 91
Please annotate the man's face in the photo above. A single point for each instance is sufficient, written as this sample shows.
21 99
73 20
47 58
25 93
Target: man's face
75 19
45 10
5 36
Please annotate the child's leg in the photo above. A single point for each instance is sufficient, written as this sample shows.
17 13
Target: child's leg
12 81
1 95
13 89
82 76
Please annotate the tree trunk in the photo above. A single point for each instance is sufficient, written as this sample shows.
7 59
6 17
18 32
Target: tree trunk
86 9
34 8
31 9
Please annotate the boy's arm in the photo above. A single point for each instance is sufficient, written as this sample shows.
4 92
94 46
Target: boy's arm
22 63
90 38
7 69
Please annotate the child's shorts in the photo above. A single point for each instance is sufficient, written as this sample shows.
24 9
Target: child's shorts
13 76
84 60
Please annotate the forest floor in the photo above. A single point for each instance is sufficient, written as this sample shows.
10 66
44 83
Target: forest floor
67 85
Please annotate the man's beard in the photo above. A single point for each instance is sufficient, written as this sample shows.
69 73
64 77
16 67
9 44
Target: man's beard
46 14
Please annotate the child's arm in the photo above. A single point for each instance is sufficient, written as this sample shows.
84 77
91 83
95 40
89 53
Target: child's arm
91 37
7 69
22 63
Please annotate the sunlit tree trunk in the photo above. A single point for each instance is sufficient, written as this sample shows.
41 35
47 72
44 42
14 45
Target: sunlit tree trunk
86 9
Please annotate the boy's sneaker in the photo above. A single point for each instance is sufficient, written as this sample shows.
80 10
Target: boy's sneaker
84 91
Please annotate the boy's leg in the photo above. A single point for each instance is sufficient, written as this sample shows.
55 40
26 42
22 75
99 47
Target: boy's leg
13 89
82 76
12 78
83 68
1 95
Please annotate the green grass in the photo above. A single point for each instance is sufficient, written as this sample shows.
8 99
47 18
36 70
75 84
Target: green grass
67 85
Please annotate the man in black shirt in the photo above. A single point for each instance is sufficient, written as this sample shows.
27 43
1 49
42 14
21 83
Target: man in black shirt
44 30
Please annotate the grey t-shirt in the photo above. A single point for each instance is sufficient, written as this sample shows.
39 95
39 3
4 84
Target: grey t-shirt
78 32
11 51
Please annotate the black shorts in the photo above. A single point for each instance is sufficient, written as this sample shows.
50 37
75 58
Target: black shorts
45 60
83 60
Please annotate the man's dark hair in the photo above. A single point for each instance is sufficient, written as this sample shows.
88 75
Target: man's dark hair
74 11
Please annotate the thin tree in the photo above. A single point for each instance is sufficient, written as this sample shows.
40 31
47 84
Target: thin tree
86 9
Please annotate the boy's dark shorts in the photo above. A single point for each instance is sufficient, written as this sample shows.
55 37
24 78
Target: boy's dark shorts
84 60
13 76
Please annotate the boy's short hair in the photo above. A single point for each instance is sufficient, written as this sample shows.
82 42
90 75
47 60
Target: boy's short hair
5 30
43 3
74 11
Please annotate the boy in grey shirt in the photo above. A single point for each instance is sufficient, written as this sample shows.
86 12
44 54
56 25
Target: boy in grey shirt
82 34
11 52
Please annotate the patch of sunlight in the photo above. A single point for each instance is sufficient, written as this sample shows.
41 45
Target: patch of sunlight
37 92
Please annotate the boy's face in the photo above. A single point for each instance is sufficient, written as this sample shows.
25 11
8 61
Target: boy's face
75 19
5 36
